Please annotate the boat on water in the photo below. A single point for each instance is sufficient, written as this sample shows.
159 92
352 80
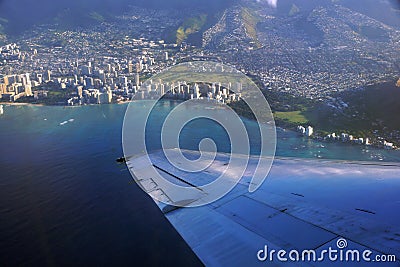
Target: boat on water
1 110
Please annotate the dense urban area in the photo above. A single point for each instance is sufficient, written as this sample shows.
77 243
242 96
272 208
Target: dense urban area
315 58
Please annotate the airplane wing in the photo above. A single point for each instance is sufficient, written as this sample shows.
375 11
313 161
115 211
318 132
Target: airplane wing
304 206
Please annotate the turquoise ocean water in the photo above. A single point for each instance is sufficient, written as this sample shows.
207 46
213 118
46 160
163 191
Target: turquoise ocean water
64 200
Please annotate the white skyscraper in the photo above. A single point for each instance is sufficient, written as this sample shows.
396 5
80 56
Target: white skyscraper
124 81
309 131
26 79
28 90
47 75
137 80
162 89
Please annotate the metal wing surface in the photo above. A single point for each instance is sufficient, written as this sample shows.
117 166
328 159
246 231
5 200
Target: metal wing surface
302 205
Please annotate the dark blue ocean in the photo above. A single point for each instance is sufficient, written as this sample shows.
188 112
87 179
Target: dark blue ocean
65 201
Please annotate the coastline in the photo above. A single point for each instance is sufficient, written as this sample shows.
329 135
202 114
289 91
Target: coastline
279 125
65 106
20 104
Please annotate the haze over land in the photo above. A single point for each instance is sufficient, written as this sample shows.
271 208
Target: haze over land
19 15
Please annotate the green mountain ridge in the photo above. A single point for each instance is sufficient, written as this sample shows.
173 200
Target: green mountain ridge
23 14
190 26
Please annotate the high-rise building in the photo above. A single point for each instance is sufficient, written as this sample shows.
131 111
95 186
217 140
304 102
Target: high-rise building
344 137
89 82
124 81
137 79
18 89
225 92
162 89
104 98
301 129
309 131
130 67
139 66
28 90
47 76
3 88
102 76
39 78
79 90
10 79
25 79
6 81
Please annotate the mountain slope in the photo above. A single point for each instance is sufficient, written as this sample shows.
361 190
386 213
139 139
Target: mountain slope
22 14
